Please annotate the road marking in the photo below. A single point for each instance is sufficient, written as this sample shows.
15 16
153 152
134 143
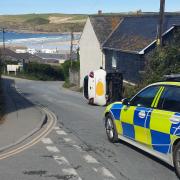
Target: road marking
34 141
89 159
56 128
104 172
71 171
68 140
95 169
78 148
53 149
47 141
61 132
61 160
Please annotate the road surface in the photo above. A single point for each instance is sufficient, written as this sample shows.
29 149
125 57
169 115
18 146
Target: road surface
78 148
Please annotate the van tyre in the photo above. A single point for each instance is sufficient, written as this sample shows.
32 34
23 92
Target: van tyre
91 101
176 159
111 129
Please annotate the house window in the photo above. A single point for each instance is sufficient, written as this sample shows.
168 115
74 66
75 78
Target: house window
114 60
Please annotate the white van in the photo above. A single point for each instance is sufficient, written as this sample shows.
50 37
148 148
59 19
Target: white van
101 87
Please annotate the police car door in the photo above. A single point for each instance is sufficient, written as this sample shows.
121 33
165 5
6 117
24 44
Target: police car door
136 117
165 119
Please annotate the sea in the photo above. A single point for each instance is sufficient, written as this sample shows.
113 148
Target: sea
38 41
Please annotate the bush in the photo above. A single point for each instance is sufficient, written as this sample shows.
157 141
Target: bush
67 65
162 62
37 21
130 91
44 71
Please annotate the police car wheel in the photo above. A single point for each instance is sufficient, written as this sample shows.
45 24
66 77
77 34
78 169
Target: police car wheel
176 159
111 129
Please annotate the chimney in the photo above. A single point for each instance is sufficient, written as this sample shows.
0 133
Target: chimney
99 12
114 22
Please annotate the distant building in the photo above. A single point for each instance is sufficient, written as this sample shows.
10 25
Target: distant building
21 51
31 51
121 42
49 51
55 58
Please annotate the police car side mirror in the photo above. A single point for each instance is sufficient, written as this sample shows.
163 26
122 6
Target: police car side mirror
126 102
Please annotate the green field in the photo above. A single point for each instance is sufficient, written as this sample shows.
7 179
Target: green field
44 22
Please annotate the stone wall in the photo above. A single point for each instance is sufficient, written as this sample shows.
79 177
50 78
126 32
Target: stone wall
74 77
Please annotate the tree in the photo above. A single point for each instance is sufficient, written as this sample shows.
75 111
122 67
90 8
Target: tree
163 61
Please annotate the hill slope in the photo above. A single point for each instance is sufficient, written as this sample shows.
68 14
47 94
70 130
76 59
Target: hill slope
43 22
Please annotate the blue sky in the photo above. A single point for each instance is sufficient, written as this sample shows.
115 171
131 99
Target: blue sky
82 6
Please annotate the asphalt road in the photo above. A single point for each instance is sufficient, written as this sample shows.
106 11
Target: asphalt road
78 147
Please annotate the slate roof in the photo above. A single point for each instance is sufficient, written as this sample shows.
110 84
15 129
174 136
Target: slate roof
15 55
103 25
135 33
56 56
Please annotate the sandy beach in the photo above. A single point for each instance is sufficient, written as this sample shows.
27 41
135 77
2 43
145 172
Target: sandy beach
40 41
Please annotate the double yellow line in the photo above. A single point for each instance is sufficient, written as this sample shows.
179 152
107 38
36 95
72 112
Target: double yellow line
46 131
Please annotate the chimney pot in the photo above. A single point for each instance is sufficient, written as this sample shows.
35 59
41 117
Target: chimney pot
99 12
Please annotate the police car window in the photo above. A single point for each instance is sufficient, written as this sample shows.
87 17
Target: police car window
170 100
145 98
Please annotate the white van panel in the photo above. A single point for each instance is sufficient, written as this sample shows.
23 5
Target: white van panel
98 87
91 87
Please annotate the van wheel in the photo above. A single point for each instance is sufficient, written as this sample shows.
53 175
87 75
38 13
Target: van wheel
176 159
91 101
111 129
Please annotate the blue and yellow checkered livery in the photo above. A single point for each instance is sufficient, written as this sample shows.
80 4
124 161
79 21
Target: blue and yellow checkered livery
149 126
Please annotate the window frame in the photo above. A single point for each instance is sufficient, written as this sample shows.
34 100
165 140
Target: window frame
114 60
158 85
158 106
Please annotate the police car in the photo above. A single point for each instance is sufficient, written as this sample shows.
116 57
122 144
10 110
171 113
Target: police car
150 121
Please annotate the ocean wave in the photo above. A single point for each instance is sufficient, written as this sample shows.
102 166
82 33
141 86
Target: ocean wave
41 41
38 40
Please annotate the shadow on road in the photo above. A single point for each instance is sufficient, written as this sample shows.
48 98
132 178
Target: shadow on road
13 100
146 154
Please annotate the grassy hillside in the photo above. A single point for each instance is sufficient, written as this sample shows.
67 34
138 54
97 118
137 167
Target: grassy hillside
44 22
53 22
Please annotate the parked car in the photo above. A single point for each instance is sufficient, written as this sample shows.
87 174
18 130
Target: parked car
150 121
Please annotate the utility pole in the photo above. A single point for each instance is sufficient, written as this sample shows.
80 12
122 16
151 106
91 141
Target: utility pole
161 23
2 58
71 47
3 30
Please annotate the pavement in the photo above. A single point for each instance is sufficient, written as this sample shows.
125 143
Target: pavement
21 118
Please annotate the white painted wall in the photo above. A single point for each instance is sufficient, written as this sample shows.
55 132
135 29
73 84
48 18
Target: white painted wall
21 51
13 68
91 56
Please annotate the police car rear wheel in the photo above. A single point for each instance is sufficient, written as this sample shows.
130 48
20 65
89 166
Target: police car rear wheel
111 129
176 159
